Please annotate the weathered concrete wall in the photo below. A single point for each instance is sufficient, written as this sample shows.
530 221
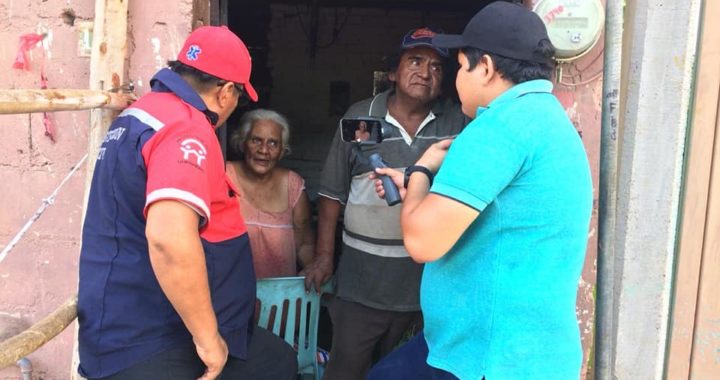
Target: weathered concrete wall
157 30
660 45
41 271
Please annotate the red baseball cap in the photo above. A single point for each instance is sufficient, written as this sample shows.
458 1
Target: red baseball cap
217 51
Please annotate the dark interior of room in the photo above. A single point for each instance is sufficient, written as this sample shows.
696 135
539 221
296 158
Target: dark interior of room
324 25
297 46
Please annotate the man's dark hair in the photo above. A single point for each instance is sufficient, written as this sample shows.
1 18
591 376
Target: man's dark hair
200 80
515 70
392 60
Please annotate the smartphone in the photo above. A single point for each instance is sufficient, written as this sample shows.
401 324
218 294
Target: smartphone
361 129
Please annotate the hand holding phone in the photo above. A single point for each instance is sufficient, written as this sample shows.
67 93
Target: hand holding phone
365 131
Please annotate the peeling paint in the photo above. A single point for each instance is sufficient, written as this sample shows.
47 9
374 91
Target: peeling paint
156 50
12 315
156 45
68 15
4 14
47 41
679 62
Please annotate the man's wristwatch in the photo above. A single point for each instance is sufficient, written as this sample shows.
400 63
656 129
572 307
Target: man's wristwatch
417 168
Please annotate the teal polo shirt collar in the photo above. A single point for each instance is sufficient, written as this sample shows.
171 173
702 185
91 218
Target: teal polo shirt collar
518 90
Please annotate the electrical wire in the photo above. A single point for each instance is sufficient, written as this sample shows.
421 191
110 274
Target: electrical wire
582 83
577 72
47 202
337 27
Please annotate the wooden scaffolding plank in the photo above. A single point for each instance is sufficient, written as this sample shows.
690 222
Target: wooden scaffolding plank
19 346
695 202
28 101
705 361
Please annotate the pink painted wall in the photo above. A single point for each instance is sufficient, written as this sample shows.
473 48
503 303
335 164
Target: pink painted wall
157 30
41 271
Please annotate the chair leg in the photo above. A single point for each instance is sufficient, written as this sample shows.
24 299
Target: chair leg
318 372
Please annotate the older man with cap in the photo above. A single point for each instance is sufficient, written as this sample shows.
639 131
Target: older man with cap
377 295
167 286
503 226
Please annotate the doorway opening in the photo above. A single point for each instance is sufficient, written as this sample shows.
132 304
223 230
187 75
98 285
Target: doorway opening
312 59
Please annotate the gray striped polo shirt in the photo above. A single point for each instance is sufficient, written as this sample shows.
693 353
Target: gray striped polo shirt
375 269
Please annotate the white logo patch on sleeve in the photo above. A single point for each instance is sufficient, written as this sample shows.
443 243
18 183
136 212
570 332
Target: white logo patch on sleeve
192 147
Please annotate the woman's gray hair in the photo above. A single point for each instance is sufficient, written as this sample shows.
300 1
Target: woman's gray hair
238 138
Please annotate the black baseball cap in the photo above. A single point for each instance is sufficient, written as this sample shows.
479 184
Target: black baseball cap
506 29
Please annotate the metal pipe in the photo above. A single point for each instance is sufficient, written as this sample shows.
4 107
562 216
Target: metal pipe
605 303
25 368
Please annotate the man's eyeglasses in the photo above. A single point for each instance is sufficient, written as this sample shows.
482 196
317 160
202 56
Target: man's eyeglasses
243 99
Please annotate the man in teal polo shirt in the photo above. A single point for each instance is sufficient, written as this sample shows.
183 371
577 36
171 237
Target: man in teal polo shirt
503 226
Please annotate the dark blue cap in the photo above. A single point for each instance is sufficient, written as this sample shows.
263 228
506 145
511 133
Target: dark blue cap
422 37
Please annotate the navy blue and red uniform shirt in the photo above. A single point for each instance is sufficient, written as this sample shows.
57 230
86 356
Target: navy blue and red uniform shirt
162 147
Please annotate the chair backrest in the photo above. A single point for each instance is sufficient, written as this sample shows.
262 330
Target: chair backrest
292 314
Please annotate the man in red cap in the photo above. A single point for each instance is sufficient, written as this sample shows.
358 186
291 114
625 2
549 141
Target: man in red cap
167 286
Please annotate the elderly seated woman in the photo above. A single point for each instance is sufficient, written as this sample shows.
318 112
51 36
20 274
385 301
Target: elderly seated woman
273 201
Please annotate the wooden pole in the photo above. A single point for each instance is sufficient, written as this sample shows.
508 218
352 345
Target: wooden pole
200 13
694 332
12 349
28 101
107 70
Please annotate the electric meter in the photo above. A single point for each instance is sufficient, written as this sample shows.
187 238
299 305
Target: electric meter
574 26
